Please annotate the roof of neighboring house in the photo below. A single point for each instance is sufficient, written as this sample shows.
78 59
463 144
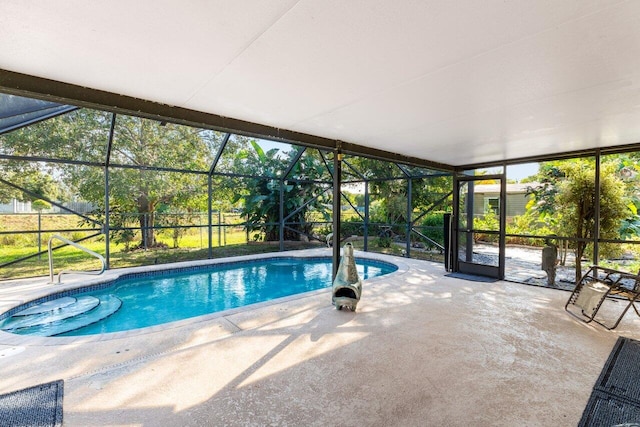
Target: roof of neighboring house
511 188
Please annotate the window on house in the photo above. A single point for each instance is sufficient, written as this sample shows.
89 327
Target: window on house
491 204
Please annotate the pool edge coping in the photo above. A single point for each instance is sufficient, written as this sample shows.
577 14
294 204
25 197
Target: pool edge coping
10 339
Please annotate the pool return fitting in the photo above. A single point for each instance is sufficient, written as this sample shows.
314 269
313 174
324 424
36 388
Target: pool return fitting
347 286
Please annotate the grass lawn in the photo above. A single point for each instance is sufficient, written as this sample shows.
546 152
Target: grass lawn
70 258
192 245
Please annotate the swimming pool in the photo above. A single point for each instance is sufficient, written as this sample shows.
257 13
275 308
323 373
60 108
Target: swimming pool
140 300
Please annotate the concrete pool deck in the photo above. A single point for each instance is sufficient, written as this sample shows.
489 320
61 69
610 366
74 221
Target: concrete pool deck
422 349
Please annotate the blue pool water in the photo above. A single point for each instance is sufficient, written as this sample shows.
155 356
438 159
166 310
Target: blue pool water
148 299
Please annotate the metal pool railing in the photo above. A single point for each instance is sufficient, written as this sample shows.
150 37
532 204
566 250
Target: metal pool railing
82 248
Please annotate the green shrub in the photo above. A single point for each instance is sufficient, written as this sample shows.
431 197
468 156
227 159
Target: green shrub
528 224
488 222
21 240
9 239
353 226
432 226
384 242
125 237
77 235
434 219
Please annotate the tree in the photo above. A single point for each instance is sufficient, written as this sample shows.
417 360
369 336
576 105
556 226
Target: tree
574 195
141 145
388 183
542 213
79 135
628 169
262 195
40 205
148 144
392 189
32 178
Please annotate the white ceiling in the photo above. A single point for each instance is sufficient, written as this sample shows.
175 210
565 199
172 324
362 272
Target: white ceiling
456 82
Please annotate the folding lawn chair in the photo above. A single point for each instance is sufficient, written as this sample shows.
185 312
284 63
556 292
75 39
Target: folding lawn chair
593 289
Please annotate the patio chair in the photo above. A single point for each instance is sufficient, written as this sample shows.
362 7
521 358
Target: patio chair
595 286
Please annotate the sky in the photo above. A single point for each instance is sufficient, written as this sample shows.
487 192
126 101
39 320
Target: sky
514 172
518 172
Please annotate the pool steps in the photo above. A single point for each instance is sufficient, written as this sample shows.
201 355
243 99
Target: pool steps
47 306
62 315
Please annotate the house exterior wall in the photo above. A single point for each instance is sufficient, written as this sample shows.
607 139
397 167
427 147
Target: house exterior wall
15 206
516 203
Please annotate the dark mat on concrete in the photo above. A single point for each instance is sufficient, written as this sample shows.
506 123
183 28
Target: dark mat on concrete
615 398
472 277
40 405
621 374
603 409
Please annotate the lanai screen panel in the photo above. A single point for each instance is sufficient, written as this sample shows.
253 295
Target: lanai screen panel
80 135
148 143
17 111
248 156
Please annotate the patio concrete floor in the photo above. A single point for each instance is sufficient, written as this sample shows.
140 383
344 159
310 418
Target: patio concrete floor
422 349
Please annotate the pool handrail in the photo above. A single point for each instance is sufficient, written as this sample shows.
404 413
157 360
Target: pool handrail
76 245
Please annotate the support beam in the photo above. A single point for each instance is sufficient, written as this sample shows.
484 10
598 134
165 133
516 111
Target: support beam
219 153
409 212
66 93
281 216
210 216
366 216
337 175
596 231
502 243
299 154
355 171
107 208
454 234
355 209
469 221
432 207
